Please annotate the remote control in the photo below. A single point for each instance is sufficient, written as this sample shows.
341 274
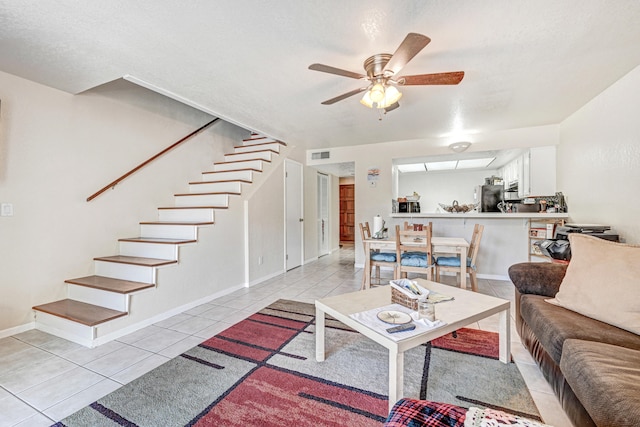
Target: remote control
402 328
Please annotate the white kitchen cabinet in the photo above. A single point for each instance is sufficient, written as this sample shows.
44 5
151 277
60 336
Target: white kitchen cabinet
534 170
539 172
511 171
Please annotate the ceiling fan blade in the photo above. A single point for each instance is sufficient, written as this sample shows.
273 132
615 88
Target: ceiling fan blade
391 107
333 70
343 96
452 78
410 46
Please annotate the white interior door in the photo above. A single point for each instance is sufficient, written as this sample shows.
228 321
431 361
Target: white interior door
293 212
323 214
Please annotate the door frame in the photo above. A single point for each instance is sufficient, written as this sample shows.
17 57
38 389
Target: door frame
327 227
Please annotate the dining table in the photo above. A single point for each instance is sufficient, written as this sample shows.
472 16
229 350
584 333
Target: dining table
440 245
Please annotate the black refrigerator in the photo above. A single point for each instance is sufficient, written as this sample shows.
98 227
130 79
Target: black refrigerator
488 197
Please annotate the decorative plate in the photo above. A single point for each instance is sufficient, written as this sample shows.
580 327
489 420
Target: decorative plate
394 317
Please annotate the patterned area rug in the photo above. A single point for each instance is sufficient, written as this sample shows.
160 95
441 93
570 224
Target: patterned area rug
262 372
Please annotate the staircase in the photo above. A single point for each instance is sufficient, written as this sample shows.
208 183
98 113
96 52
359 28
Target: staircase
107 295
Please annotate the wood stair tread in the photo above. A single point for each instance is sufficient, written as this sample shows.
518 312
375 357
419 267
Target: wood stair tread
80 312
213 193
241 181
240 161
158 240
110 284
134 260
253 152
194 207
259 143
235 170
177 222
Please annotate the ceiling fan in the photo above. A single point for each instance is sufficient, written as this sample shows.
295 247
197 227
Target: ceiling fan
382 74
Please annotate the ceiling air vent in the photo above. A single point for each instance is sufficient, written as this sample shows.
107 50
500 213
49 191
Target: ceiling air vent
320 155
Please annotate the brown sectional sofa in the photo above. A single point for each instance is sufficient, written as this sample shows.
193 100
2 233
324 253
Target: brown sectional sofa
593 367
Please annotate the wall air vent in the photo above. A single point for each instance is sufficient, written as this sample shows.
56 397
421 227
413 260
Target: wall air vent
320 155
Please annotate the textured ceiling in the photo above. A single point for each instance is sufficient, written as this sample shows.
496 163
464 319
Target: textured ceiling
527 63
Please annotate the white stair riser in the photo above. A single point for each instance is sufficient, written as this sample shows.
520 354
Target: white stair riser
203 200
149 250
248 164
275 146
67 329
258 141
169 231
112 300
229 175
216 187
116 270
265 155
204 215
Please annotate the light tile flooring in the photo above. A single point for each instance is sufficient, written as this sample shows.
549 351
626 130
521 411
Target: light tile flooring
43 378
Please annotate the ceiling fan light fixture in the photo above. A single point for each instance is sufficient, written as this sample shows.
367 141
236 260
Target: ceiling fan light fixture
366 100
377 93
391 96
459 147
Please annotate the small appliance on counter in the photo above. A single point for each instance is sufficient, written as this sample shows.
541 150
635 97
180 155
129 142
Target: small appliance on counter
559 247
407 204
596 230
409 207
488 197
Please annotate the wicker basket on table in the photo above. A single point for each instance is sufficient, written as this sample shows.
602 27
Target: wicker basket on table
399 297
403 297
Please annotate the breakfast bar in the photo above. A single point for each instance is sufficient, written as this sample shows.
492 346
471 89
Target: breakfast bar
506 239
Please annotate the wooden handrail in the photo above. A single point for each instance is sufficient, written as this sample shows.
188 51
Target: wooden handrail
143 164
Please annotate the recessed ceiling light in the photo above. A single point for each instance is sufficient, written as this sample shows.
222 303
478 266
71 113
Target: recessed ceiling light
414 167
475 163
441 166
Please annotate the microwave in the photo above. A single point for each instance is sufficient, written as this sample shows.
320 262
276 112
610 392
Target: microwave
409 207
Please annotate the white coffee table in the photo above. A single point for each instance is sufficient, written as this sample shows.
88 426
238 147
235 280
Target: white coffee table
466 308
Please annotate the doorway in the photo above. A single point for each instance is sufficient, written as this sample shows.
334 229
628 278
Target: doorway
323 214
293 214
347 213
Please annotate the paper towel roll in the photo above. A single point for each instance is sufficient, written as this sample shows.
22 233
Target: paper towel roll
378 225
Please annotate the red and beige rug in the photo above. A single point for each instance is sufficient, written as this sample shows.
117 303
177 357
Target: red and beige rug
262 372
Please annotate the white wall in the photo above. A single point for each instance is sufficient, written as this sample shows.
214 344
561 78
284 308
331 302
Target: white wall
266 227
56 149
599 159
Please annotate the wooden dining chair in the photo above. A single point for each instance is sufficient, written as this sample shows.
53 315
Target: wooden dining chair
452 263
413 252
377 259
408 226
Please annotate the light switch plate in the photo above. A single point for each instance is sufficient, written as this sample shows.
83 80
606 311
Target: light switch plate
6 209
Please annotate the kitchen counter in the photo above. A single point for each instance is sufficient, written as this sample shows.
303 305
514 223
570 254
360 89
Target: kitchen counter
505 240
487 215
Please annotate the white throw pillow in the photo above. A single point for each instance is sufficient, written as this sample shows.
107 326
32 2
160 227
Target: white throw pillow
602 282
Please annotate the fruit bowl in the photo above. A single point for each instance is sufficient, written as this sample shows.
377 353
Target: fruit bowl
458 208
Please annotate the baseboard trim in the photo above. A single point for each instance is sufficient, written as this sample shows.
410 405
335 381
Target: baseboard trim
264 278
17 330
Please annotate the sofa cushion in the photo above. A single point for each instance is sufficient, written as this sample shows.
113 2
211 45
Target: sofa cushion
606 379
553 325
416 413
602 281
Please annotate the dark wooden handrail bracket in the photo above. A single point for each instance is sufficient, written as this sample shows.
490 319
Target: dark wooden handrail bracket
145 163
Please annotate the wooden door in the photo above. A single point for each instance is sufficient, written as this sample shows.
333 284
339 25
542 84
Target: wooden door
347 213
